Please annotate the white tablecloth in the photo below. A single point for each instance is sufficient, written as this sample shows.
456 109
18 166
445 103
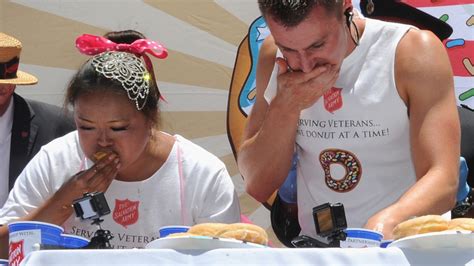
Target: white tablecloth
266 256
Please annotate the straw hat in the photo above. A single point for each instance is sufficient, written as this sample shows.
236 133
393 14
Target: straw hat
10 49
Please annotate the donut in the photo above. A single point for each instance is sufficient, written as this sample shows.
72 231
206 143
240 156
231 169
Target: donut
245 232
207 229
461 224
180 234
420 225
99 155
350 163
240 231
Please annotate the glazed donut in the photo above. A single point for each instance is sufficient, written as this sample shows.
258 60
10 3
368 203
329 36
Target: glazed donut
461 224
350 163
420 225
245 232
241 231
207 229
180 234
99 155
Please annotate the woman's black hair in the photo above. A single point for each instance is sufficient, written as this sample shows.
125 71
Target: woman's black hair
88 80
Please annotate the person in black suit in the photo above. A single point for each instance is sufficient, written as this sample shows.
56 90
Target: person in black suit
25 125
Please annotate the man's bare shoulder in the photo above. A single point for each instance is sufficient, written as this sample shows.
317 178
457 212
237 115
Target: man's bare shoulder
420 56
419 48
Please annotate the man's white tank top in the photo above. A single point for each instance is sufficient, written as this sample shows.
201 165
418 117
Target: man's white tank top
353 144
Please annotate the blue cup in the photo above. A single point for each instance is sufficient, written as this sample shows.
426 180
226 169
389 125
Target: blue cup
385 243
50 233
27 236
73 241
167 230
361 238
3 262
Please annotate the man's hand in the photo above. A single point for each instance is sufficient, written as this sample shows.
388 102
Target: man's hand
301 90
384 221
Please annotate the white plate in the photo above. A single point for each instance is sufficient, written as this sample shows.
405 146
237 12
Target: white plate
445 239
199 242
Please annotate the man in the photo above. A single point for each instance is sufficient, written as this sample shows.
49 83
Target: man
25 125
370 106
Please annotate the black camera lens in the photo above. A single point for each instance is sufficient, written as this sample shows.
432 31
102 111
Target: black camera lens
329 219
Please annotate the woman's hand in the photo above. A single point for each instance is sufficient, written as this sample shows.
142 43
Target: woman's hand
95 179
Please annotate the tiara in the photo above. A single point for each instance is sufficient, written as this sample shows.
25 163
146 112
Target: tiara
122 62
127 69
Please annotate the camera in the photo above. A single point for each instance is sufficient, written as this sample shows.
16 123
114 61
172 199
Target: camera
329 219
91 206
330 222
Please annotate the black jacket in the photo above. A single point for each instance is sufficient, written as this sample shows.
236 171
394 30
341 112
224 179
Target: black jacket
34 125
467 140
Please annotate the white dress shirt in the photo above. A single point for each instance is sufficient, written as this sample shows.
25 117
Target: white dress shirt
6 123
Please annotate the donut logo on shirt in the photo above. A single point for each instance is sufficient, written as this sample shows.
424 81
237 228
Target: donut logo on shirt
126 212
351 165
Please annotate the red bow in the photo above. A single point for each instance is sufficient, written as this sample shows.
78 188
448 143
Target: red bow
92 45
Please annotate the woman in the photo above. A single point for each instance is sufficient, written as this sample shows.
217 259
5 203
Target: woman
150 178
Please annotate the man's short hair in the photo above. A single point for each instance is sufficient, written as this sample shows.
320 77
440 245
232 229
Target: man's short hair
290 13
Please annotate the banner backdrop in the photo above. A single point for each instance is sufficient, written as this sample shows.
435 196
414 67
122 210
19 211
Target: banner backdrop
203 37
459 14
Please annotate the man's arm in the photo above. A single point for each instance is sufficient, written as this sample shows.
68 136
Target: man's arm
425 82
269 136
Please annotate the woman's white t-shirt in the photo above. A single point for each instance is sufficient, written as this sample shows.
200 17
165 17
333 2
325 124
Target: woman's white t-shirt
202 191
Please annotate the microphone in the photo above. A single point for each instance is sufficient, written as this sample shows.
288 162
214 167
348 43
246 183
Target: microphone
349 15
